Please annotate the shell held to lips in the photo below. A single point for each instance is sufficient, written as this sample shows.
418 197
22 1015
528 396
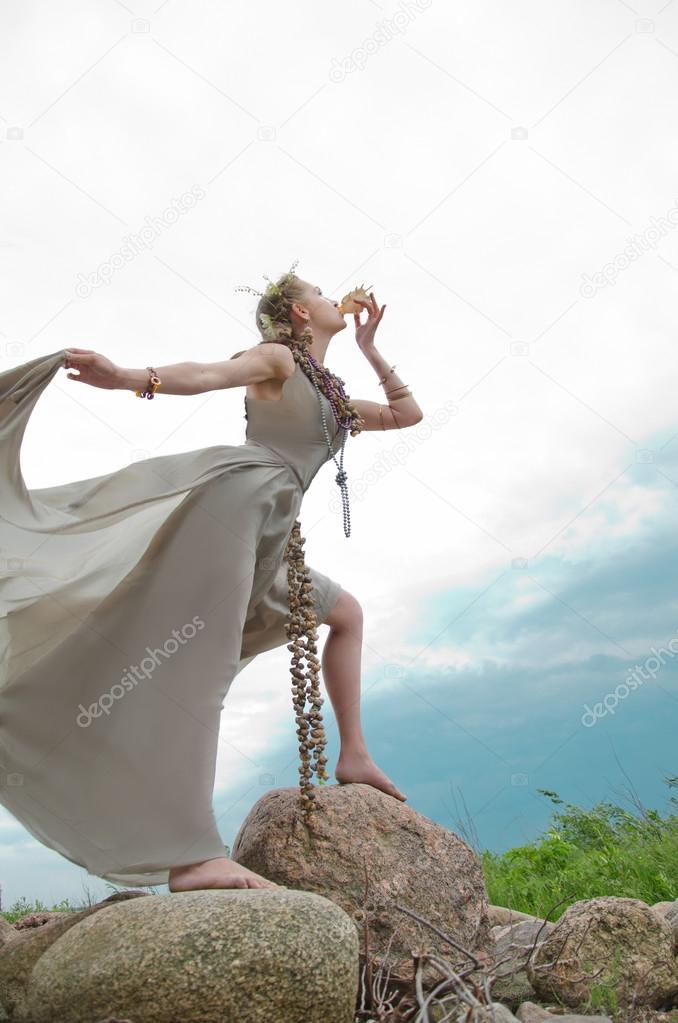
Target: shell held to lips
348 305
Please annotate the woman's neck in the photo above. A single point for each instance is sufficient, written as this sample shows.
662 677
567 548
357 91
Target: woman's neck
319 347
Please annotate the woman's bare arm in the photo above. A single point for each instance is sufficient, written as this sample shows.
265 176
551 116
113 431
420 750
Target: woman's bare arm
401 409
264 361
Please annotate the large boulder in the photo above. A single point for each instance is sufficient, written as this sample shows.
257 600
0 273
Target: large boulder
627 948
22 944
368 853
252 955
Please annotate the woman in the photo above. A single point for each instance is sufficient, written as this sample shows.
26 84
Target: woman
134 598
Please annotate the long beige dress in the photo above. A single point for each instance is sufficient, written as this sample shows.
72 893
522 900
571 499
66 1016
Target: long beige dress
128 604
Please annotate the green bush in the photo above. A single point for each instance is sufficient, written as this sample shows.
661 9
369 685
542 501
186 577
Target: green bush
587 853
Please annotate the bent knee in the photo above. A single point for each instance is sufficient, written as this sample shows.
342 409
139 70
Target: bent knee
346 611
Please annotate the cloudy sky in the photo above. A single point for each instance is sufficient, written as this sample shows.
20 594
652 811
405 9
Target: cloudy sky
504 176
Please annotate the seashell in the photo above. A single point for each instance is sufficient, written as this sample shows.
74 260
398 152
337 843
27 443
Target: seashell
347 304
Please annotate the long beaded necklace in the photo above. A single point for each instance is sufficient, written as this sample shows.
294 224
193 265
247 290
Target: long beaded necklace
344 424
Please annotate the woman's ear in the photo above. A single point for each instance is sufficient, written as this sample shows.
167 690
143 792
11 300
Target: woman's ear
300 310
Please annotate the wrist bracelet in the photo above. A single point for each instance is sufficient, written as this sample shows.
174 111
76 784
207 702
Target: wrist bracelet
154 383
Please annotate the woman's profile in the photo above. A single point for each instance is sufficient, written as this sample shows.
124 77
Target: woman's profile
131 600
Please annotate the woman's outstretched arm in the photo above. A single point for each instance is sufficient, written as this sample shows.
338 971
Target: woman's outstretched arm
264 361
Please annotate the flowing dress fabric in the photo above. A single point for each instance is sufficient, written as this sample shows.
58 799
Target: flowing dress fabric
128 604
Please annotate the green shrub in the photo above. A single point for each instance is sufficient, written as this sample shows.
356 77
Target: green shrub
587 853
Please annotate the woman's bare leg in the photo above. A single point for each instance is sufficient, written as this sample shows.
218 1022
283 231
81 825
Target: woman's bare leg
341 658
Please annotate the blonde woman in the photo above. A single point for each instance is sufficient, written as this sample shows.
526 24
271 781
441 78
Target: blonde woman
132 599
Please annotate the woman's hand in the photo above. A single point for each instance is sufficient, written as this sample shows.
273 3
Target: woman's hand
364 332
93 368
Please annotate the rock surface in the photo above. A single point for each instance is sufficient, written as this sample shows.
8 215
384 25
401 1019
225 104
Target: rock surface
252 955
26 941
590 936
410 860
531 1013
669 912
513 947
500 916
7 932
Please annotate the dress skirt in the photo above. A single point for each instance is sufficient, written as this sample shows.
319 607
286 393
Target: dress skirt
128 603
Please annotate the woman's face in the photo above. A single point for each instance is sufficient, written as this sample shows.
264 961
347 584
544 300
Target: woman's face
323 311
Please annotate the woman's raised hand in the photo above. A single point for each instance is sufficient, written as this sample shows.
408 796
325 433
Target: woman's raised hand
364 332
92 368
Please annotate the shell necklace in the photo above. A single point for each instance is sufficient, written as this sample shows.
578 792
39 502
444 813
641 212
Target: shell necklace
344 424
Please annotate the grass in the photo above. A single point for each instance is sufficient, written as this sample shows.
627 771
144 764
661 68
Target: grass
606 850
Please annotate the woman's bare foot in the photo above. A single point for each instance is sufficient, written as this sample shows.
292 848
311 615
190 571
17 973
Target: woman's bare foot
217 873
360 767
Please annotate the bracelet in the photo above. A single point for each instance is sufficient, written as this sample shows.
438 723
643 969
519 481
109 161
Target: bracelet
381 417
154 383
396 389
381 381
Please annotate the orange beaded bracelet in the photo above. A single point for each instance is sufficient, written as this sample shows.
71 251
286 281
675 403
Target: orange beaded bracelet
154 383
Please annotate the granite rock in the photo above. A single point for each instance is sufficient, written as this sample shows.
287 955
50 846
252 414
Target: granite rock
254 955
368 853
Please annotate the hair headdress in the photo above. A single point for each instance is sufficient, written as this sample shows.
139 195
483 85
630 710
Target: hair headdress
275 297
